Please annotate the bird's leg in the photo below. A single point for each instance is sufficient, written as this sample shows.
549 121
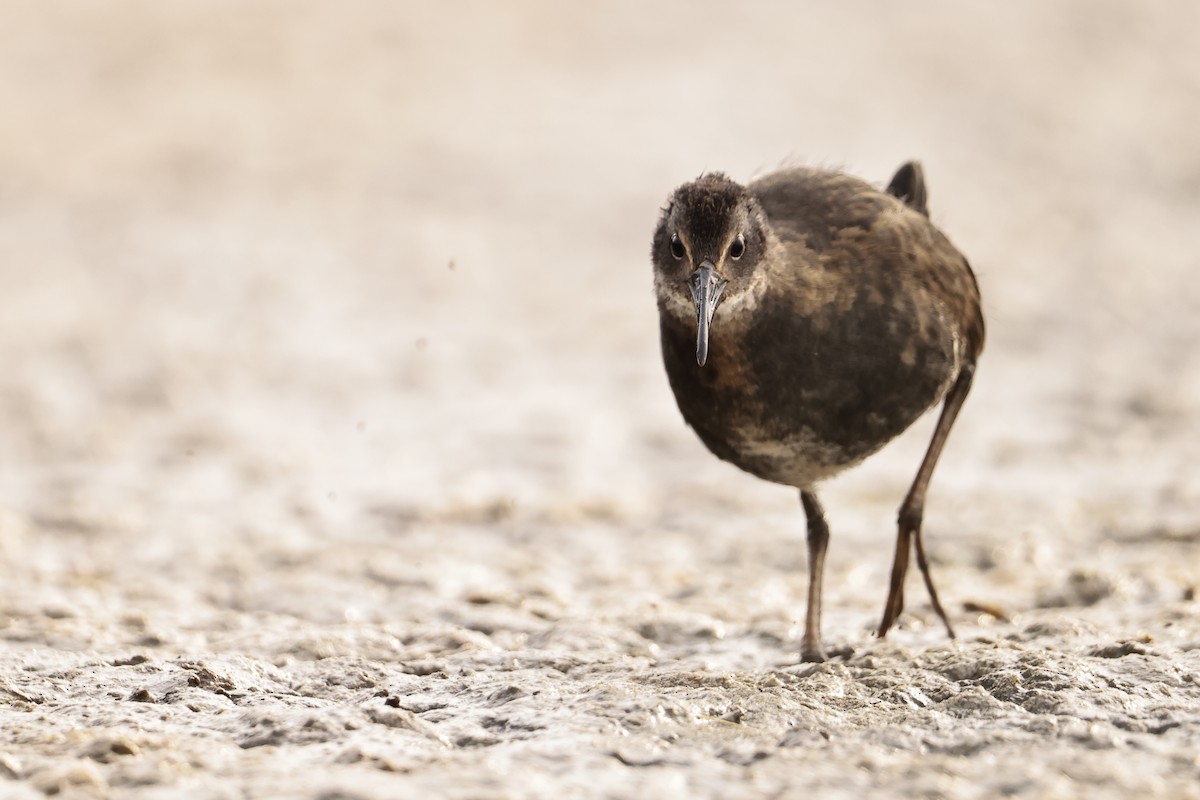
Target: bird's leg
818 541
933 596
895 599
913 508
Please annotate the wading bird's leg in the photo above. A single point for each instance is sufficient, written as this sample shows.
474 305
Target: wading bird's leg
818 541
913 508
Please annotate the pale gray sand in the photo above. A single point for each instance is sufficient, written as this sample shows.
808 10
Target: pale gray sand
338 460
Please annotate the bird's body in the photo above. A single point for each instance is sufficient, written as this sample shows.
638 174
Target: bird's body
837 315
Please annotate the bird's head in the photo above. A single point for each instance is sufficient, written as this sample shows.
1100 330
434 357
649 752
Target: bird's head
708 251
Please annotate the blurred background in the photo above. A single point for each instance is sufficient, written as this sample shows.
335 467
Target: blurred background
274 270
330 374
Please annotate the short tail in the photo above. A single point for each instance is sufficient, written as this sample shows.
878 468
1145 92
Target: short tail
908 184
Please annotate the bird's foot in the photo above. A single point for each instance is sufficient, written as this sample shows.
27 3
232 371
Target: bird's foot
811 651
812 655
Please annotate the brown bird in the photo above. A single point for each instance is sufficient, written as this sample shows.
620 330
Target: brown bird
807 319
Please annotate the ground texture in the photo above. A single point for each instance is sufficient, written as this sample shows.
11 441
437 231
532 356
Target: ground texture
336 459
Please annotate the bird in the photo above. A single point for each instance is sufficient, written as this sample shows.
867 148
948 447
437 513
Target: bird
807 318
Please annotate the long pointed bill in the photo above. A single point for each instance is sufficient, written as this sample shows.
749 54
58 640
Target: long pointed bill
707 287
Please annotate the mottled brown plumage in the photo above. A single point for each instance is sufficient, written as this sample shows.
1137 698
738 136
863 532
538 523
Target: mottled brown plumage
807 319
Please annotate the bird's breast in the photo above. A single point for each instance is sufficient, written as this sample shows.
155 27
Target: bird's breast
795 396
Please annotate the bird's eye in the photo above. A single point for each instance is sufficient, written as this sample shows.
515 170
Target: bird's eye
738 247
676 246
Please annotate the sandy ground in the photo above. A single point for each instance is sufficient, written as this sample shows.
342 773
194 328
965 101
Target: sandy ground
336 459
